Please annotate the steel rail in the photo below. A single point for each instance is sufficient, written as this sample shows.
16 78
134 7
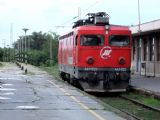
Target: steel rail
127 113
139 103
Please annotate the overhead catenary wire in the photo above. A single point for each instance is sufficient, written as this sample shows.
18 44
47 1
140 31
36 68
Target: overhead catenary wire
83 11
95 3
69 21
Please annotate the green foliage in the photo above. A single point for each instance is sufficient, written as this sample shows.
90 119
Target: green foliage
39 40
1 64
1 54
39 48
53 70
38 57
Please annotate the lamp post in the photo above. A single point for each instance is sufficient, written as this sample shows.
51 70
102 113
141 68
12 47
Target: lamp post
139 17
139 30
21 48
8 53
25 31
51 53
4 50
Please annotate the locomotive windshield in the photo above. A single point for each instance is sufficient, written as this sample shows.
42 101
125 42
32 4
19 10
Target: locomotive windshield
92 40
119 40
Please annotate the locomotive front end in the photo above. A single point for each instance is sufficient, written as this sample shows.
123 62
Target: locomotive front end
104 59
96 55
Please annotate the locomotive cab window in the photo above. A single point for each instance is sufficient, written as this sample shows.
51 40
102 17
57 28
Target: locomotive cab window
119 40
92 40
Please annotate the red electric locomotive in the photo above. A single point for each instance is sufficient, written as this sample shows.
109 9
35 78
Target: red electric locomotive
96 55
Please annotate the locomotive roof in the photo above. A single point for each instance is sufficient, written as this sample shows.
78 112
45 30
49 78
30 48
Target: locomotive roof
111 27
96 28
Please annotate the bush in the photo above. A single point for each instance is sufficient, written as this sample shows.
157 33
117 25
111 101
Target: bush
38 58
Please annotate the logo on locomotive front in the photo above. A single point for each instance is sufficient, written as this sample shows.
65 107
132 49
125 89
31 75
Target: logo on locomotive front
105 52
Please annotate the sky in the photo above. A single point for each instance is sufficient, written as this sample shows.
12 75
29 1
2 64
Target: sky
47 15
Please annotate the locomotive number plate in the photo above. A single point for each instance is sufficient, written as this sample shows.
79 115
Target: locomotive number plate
120 69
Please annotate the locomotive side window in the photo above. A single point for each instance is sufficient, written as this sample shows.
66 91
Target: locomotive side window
119 40
92 40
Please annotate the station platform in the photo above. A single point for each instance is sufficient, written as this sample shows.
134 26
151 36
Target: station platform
38 96
147 85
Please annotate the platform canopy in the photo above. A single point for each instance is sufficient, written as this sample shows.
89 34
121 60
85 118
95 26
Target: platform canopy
146 28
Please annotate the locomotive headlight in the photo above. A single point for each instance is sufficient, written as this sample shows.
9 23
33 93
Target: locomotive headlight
90 60
122 61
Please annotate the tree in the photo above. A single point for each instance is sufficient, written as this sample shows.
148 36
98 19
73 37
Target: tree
39 47
1 54
38 40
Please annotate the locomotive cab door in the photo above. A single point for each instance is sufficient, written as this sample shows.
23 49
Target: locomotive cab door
75 49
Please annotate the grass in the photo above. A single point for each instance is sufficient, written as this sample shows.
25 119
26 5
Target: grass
53 70
1 64
125 105
148 100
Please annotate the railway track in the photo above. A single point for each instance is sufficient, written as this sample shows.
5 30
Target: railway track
127 110
139 103
130 114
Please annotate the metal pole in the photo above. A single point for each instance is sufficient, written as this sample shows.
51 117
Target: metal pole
139 16
79 13
7 53
4 50
21 48
11 41
25 30
51 54
139 30
18 51
28 49
154 55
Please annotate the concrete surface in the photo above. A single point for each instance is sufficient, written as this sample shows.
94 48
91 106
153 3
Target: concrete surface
146 83
37 96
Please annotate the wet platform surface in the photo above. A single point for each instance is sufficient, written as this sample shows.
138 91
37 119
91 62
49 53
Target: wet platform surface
146 83
37 96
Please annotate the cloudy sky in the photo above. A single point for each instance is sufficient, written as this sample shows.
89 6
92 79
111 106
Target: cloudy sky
45 15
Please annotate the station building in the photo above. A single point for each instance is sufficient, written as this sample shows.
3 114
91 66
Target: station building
146 48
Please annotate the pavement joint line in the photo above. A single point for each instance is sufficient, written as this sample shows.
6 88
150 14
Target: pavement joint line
63 90
79 102
7 89
7 84
68 94
4 98
27 107
7 93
